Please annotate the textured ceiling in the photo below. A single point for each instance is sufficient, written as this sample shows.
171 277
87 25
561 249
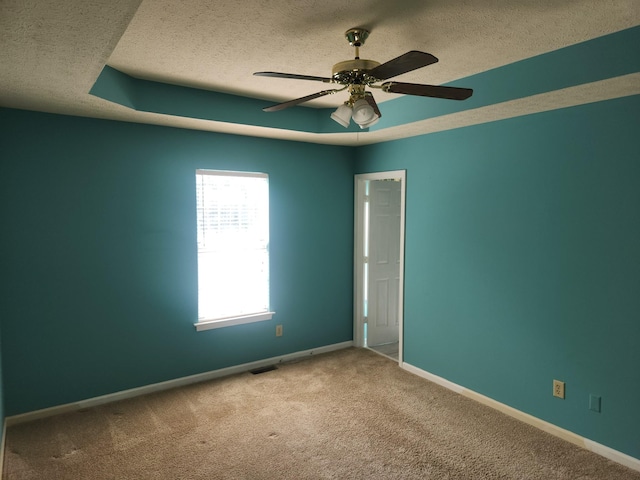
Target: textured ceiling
51 52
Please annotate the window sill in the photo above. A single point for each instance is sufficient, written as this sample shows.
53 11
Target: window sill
230 321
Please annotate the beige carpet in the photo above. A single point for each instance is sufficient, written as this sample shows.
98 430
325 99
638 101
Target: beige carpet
351 414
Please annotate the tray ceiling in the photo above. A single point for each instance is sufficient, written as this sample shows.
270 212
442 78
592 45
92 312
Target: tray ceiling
52 52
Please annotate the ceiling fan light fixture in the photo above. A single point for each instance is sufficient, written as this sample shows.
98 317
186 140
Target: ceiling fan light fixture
370 123
342 115
363 114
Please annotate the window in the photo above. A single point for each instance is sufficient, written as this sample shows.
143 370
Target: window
233 248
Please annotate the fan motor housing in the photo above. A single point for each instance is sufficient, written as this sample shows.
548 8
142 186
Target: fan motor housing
353 71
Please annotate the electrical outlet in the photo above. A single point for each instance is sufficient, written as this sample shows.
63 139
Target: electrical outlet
558 389
278 330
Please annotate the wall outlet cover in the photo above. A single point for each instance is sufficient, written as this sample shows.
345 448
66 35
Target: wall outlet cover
558 389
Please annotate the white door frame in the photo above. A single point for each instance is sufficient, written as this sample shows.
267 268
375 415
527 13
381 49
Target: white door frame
358 257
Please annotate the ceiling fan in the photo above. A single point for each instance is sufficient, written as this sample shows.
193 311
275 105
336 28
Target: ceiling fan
355 75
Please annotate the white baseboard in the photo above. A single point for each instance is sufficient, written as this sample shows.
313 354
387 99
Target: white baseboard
610 453
178 382
4 436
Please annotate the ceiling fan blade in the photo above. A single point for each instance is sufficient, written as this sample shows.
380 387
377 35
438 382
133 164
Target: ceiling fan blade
404 63
293 76
292 103
371 101
451 93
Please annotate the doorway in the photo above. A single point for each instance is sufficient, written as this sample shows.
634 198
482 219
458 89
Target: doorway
379 262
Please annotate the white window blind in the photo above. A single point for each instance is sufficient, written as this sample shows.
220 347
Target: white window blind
233 244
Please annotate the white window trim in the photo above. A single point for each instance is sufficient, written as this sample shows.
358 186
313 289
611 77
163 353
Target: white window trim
210 324
230 321
231 173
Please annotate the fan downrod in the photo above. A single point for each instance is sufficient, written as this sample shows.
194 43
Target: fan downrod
354 71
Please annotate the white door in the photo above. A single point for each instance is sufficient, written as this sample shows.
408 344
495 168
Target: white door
383 282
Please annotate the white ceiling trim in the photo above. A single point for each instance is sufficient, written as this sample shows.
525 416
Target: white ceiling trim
617 87
623 86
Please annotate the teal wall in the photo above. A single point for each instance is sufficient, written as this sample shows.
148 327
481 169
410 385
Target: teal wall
98 254
522 254
522 262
